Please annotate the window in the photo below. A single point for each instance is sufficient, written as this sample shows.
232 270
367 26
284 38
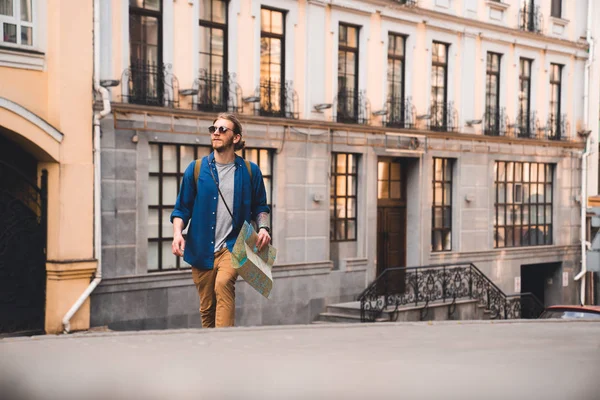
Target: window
492 95
347 99
272 62
556 9
523 206
213 79
395 79
16 23
441 209
167 165
343 196
439 90
146 80
554 119
264 159
390 181
523 118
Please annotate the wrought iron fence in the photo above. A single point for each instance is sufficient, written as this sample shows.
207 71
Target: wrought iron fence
443 117
411 3
276 99
351 106
495 122
523 306
530 18
217 92
527 125
557 127
150 84
448 283
400 113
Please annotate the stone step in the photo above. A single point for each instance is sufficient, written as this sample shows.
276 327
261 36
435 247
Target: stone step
334 317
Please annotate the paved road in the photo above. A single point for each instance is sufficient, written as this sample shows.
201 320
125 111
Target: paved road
444 360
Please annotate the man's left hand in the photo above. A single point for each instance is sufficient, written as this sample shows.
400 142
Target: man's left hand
263 238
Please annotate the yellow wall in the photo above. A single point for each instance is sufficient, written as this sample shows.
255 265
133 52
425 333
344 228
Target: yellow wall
61 95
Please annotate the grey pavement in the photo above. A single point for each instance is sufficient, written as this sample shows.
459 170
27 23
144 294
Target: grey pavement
435 360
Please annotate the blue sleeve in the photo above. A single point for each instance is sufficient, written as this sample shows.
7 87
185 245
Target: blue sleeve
259 194
186 197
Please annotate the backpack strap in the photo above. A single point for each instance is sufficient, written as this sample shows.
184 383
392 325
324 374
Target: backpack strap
198 163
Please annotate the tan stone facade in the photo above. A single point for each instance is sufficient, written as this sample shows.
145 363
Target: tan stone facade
46 110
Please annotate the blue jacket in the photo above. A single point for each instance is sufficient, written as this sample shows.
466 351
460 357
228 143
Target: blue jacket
249 200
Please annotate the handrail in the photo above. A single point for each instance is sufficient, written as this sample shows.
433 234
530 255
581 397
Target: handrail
442 282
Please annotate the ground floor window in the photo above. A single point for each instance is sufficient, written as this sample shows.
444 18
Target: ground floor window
166 167
523 204
343 197
441 209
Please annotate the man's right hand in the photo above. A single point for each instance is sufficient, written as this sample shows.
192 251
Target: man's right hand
178 245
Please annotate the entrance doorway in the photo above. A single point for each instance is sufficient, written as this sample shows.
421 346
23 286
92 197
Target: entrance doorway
391 218
543 280
22 242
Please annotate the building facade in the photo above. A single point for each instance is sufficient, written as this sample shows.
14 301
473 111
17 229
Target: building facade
46 164
390 133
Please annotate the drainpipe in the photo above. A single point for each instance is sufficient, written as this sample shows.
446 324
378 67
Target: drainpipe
586 105
97 184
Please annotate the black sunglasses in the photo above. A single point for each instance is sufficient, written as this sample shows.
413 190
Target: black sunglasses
220 129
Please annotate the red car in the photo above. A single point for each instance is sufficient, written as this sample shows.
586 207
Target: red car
571 312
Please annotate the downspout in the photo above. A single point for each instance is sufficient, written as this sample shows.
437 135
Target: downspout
97 184
584 167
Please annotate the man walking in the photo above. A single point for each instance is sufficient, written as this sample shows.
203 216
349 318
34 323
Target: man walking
227 192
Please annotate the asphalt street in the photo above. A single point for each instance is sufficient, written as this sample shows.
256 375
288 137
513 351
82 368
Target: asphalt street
439 360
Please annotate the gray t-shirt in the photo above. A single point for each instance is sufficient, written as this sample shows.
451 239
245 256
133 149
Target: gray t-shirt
224 223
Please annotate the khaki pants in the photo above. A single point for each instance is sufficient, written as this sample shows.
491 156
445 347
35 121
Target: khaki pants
216 288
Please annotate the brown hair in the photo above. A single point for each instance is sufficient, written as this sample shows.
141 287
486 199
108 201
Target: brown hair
237 128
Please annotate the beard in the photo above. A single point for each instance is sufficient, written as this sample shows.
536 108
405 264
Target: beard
222 144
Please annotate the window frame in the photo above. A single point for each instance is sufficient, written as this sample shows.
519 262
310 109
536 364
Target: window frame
345 115
396 101
15 19
273 88
447 166
555 129
524 124
333 219
211 24
492 127
524 204
143 12
556 8
444 65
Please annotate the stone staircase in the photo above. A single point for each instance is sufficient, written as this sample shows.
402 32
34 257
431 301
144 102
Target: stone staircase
349 312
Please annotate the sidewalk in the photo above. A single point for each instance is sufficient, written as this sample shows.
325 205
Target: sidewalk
441 360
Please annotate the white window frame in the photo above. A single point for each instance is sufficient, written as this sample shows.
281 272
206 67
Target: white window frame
15 19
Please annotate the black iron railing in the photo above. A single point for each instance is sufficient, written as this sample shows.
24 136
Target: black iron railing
276 99
527 125
530 18
217 92
150 84
523 306
351 107
421 286
557 127
495 122
400 113
411 3
443 117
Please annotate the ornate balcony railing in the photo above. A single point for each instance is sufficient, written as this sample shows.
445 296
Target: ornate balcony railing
557 127
527 125
530 18
276 100
217 92
495 122
400 113
421 286
351 107
443 117
150 84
